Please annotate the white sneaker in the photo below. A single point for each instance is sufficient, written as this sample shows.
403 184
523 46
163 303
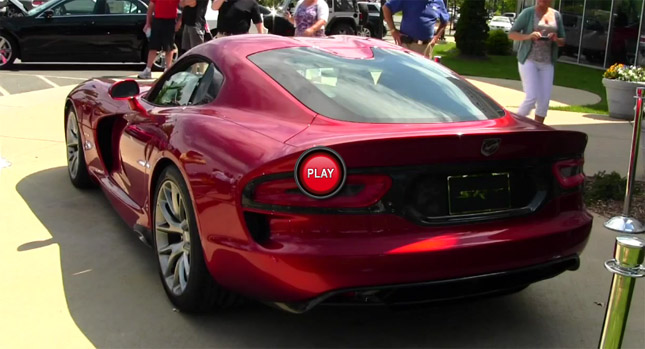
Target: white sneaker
146 74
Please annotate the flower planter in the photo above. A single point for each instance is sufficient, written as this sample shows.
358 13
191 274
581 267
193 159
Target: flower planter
620 97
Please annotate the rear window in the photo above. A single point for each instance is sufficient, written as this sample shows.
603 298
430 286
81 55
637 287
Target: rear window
391 87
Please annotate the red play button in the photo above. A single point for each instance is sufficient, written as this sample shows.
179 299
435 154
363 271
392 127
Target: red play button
320 172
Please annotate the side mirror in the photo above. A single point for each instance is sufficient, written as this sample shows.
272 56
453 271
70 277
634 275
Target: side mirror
49 14
124 89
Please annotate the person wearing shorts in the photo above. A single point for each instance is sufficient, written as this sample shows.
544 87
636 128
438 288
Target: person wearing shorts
194 20
162 22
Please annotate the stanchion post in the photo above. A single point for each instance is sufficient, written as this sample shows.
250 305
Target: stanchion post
625 223
626 266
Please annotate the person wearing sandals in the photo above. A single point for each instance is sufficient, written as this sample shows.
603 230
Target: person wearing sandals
310 17
540 31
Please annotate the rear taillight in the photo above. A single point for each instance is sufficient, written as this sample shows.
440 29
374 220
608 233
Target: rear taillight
36 3
359 191
569 172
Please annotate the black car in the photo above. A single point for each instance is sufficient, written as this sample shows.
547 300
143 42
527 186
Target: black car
370 29
76 31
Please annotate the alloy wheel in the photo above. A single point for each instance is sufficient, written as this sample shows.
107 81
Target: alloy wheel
172 234
365 32
73 144
6 51
160 60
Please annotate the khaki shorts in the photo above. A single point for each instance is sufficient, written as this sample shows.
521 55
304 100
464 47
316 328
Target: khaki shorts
191 37
425 50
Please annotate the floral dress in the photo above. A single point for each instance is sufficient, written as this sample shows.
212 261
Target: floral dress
305 17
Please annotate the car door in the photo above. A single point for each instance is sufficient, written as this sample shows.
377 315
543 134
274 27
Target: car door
180 93
120 23
64 33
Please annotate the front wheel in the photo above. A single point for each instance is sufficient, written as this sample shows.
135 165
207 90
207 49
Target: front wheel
8 50
180 256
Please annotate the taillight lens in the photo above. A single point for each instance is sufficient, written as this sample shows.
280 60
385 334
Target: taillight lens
569 172
359 191
36 3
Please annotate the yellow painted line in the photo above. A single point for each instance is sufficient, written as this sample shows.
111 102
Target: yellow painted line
49 82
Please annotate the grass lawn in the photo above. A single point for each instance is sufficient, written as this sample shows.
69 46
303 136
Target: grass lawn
505 67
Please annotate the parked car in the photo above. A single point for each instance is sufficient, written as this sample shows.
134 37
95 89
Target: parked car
500 23
76 31
511 15
370 29
201 164
343 18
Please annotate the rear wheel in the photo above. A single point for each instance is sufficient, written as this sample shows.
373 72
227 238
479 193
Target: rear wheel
180 256
365 32
8 50
342 29
160 61
76 166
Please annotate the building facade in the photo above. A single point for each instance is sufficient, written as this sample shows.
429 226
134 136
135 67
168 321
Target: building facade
600 32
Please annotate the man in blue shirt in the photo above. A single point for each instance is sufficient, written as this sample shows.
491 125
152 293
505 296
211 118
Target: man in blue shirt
417 26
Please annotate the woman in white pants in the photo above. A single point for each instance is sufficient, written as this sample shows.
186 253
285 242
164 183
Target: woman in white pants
540 31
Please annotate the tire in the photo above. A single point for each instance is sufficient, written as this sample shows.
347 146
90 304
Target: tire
177 243
365 32
8 51
342 29
76 166
160 62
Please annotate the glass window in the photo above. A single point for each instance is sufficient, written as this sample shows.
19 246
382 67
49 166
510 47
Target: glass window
571 11
595 32
392 87
626 21
75 7
123 7
343 6
198 84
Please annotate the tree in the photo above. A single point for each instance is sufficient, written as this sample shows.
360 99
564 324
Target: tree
472 29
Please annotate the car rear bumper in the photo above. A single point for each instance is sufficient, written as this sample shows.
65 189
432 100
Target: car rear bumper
439 290
303 267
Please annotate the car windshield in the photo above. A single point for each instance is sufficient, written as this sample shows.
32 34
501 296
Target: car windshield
501 19
392 87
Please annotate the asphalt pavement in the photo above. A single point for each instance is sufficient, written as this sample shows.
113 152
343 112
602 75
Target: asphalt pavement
75 276
27 77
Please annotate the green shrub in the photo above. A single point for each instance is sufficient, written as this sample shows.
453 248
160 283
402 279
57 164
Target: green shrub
472 30
605 187
498 43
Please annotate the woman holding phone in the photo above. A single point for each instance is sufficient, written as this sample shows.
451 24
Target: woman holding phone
310 17
540 31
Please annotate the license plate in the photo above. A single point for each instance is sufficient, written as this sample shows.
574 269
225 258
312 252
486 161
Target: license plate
479 193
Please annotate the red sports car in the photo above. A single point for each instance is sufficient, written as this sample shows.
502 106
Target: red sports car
444 194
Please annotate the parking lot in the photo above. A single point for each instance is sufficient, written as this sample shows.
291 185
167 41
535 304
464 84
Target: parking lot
76 276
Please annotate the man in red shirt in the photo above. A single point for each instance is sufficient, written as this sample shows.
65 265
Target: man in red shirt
162 30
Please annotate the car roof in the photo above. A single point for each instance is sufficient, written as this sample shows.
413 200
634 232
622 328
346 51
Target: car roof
245 45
